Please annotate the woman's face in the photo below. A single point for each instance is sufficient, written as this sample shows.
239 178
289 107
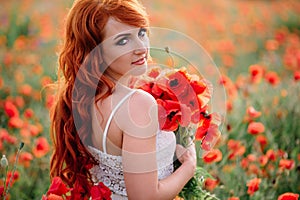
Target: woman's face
124 49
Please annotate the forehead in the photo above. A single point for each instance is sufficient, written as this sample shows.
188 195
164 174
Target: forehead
114 27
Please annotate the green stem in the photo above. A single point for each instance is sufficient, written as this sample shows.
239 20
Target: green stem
6 172
14 169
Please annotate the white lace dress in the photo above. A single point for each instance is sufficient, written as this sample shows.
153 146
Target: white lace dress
110 170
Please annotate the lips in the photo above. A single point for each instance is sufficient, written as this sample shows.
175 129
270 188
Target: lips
141 61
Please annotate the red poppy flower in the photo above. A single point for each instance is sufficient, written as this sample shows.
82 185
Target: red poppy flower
252 157
233 198
34 129
252 113
272 78
19 101
271 45
233 144
26 90
78 191
253 169
25 159
189 98
53 197
288 196
271 154
297 75
214 155
1 190
229 105
253 186
208 130
171 114
262 140
286 164
146 86
198 86
10 109
15 122
50 100
8 59
41 148
244 163
11 139
211 184
1 83
168 116
100 191
203 128
256 72
46 80
280 36
211 137
14 178
3 134
255 128
281 153
236 148
160 91
178 83
24 132
263 160
154 72
237 152
206 95
28 113
230 87
57 187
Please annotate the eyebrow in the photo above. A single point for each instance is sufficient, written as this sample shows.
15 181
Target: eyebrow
122 35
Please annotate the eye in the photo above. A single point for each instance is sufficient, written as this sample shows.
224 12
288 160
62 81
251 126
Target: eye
122 41
142 32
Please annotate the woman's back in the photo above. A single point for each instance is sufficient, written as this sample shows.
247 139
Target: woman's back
110 169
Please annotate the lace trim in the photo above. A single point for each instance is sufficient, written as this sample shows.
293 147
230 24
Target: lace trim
165 171
110 169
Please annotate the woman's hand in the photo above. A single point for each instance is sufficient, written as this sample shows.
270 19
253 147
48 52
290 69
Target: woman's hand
187 155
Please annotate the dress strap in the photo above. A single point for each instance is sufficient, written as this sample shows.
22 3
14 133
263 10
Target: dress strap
110 118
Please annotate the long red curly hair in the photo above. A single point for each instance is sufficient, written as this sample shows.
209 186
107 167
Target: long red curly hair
69 131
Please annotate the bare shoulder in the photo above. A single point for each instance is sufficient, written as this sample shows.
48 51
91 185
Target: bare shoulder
142 107
142 100
139 114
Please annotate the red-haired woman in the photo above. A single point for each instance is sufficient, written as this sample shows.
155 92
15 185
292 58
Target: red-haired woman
102 130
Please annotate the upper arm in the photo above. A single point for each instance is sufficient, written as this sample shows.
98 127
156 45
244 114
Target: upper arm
140 125
139 116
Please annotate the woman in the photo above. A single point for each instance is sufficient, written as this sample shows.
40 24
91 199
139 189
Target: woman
102 130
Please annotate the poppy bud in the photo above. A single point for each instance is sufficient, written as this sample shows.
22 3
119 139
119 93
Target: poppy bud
21 145
4 161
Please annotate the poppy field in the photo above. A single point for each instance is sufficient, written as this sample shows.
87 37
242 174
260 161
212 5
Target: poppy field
256 48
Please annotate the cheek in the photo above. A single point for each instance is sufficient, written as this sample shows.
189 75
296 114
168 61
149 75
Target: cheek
122 64
115 54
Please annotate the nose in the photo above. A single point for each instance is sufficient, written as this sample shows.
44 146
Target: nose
141 47
142 50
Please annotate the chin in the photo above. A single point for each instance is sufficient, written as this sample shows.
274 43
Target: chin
140 70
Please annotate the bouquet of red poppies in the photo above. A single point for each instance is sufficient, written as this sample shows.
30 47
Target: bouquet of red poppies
59 190
183 104
183 107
